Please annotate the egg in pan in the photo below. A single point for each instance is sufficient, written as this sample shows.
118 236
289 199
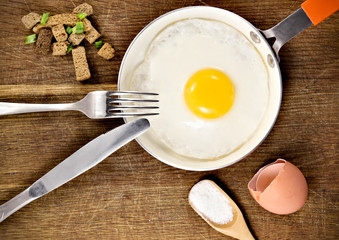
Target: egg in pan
212 85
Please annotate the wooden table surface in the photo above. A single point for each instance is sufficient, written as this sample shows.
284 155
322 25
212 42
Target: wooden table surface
131 195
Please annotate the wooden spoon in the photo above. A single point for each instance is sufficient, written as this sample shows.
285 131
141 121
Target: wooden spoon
237 228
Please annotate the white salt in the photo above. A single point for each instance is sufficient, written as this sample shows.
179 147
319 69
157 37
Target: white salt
210 202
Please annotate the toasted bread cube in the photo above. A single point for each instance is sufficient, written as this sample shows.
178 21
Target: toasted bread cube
76 38
43 42
59 33
84 8
67 19
38 27
80 63
106 51
60 48
87 24
31 19
92 35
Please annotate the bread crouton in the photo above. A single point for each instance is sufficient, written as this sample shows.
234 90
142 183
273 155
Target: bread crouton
80 63
84 8
87 24
106 51
31 19
92 35
67 19
76 38
59 33
43 42
38 27
60 48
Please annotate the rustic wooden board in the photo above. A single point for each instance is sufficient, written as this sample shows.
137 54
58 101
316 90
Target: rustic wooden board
131 195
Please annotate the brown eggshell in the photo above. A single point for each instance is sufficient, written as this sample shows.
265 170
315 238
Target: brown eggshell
286 193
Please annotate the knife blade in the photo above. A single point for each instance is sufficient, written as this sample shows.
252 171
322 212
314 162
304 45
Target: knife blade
85 158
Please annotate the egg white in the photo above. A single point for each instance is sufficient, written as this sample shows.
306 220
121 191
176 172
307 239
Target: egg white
180 50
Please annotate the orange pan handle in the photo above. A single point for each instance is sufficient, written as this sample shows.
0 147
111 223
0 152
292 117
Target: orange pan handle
311 12
319 10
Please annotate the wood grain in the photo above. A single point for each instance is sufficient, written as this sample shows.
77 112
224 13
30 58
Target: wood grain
131 195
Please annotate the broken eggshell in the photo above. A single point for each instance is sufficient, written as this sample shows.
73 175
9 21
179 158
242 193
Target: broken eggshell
279 187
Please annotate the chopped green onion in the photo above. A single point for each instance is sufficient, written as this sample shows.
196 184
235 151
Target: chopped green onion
44 18
79 28
30 39
69 48
69 30
81 15
98 44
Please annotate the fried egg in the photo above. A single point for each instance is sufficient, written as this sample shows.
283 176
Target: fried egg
212 85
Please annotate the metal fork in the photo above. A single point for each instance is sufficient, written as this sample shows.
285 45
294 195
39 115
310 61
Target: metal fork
96 105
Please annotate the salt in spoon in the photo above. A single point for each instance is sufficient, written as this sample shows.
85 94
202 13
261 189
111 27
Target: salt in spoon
236 227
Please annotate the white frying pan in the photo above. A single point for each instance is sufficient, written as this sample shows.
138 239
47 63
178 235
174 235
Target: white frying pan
311 12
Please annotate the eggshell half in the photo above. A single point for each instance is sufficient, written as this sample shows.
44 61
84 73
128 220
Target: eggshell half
279 187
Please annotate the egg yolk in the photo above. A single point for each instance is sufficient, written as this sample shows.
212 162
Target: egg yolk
209 93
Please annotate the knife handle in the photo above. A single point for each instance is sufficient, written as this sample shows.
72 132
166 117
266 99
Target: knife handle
15 204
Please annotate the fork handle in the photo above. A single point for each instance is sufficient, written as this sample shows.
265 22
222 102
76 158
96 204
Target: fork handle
16 108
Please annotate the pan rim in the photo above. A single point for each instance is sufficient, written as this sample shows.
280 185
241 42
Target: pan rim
278 76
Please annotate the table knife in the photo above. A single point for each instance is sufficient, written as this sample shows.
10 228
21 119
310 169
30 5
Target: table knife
85 158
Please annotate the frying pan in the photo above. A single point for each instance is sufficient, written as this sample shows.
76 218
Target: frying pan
312 12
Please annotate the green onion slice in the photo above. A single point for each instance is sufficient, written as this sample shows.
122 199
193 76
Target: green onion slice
69 30
30 39
98 44
81 15
79 28
69 48
44 18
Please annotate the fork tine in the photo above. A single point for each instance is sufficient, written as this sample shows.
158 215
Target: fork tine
117 104
122 93
116 114
117 100
114 108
